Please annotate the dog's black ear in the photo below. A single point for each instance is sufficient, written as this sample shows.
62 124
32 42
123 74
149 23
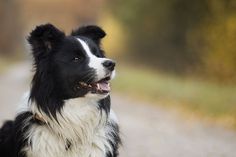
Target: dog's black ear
44 38
91 31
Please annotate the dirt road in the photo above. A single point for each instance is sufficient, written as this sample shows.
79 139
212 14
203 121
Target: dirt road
147 130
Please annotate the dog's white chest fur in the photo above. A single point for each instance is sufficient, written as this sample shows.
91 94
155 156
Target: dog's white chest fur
83 132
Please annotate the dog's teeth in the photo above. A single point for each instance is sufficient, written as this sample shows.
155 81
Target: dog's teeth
89 85
98 86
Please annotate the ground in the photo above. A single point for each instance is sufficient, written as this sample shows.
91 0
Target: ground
148 130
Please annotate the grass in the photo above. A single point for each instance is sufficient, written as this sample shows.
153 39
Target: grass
3 65
206 98
7 61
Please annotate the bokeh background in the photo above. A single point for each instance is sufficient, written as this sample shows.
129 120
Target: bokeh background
178 55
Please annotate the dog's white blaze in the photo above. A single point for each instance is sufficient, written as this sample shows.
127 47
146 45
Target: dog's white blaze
94 62
81 122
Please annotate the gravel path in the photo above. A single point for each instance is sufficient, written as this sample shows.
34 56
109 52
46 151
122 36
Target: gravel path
147 130
150 131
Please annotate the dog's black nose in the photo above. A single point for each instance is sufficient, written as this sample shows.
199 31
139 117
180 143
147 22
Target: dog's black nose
109 64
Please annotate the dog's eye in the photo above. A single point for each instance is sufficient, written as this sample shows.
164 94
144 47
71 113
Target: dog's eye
76 59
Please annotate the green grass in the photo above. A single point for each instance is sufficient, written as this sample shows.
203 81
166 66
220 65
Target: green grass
205 97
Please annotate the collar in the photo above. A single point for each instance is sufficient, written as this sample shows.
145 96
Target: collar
39 119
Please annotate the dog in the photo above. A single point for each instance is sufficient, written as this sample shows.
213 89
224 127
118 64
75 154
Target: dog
68 110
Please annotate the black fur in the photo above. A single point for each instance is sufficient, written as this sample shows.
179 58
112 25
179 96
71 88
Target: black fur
57 74
12 136
117 138
93 32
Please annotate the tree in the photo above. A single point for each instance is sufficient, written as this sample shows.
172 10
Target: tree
10 27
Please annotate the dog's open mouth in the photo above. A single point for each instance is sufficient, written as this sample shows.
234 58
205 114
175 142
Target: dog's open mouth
100 87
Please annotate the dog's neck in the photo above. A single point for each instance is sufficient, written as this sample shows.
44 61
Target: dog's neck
75 113
81 126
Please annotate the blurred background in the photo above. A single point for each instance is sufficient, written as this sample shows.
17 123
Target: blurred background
176 61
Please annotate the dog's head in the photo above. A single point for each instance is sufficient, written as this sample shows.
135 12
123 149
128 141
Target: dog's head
70 66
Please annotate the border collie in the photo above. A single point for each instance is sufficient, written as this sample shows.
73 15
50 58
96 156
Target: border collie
68 110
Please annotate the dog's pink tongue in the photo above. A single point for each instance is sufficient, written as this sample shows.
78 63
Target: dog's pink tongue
105 86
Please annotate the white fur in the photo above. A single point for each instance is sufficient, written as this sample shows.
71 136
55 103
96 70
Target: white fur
23 104
113 116
95 62
81 122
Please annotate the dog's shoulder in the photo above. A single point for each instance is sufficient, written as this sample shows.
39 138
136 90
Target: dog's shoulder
6 138
12 136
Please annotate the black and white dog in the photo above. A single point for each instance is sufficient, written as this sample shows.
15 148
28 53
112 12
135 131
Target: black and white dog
68 112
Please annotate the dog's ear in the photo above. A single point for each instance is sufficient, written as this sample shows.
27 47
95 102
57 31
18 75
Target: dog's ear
43 39
91 31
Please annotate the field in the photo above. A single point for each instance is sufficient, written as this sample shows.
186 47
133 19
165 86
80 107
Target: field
206 99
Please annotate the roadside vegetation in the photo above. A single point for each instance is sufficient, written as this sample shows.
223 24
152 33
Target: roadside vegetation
6 62
3 64
204 98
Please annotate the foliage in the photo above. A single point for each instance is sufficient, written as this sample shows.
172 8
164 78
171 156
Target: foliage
180 35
